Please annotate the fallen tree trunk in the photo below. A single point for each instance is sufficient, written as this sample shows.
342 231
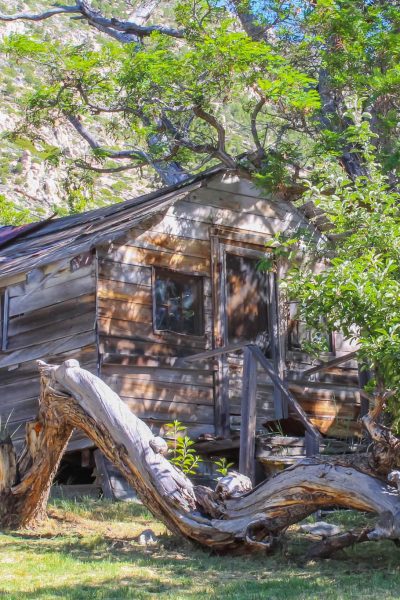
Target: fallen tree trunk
233 518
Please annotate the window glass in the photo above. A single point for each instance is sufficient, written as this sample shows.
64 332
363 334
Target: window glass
178 303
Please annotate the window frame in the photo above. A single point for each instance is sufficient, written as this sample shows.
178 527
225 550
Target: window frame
179 275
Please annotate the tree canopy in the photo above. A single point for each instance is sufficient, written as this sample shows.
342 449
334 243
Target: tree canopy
270 86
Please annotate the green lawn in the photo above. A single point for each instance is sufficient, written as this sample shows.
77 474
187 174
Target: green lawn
88 550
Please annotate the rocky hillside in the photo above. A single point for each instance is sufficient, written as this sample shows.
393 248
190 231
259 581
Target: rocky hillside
26 179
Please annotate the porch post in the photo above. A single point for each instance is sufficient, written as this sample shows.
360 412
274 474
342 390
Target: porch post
248 415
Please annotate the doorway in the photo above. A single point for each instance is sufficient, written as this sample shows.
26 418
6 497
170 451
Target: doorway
245 310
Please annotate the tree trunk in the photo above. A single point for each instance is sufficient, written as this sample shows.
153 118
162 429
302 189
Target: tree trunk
225 520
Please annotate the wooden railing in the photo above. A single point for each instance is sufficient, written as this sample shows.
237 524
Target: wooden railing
282 397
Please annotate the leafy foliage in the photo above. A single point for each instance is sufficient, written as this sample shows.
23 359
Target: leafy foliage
359 292
269 86
223 466
181 448
10 214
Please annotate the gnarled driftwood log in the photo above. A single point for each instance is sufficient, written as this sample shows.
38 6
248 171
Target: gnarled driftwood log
222 520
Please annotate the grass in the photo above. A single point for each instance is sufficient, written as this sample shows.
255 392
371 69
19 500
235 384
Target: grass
89 550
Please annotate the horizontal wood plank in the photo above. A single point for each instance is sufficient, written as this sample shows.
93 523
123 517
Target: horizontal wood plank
51 314
161 242
53 295
60 329
123 310
222 198
156 410
125 272
125 292
86 355
171 392
159 374
145 332
178 261
45 350
58 276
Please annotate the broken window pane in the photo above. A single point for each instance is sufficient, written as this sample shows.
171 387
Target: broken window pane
178 303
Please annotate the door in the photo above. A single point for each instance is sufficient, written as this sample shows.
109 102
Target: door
245 309
246 312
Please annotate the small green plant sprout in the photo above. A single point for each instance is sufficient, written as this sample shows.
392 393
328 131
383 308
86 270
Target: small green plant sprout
173 431
276 429
181 448
185 457
223 466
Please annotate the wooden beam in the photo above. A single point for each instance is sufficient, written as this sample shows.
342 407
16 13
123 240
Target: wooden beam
104 476
295 406
331 363
221 401
4 307
215 352
280 401
312 444
248 416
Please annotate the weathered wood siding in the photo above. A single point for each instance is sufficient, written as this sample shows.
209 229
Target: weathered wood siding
331 398
98 308
51 316
140 364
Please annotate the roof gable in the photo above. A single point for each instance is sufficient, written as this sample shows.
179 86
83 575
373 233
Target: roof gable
37 244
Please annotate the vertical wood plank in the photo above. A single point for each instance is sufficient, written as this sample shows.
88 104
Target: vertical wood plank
221 394
280 401
248 416
4 307
101 468
221 411
312 444
99 356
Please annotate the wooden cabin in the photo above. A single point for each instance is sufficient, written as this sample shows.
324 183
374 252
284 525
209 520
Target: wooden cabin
160 296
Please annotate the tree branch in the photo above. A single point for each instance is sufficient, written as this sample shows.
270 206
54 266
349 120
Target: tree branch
96 146
254 131
249 21
58 10
221 520
82 164
96 108
328 546
124 31
220 152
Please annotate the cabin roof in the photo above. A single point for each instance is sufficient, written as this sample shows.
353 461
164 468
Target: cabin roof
30 246
36 244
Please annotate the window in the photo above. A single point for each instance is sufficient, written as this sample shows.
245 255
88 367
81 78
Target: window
178 302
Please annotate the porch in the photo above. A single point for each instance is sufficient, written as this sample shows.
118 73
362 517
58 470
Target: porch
256 431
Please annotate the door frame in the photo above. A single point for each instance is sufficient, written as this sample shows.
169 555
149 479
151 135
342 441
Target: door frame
220 245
